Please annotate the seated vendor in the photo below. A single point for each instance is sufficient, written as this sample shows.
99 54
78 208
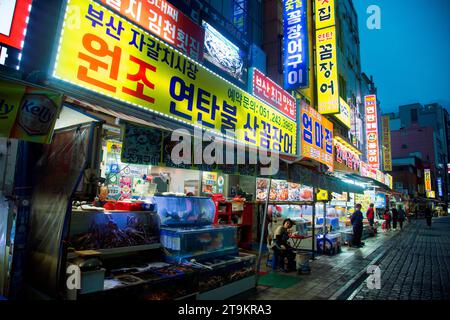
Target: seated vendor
102 197
282 249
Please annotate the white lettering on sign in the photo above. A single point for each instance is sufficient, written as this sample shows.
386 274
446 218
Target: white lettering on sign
3 55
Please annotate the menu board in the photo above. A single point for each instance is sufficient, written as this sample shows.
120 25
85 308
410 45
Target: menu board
282 190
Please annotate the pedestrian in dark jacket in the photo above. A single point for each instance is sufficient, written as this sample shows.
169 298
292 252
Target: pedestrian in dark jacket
394 218
401 216
428 216
357 223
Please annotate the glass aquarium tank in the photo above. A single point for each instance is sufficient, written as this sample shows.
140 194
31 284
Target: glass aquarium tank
199 242
185 211
106 230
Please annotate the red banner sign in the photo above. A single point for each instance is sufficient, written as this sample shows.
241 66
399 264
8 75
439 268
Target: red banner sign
13 22
347 158
165 21
372 131
270 92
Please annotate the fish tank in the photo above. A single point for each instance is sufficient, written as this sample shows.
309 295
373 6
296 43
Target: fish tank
185 211
107 230
200 242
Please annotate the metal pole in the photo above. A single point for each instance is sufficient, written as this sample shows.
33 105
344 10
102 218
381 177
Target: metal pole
263 224
324 224
313 229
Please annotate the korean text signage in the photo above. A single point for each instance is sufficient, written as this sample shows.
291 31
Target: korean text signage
13 24
28 113
141 145
161 19
427 180
386 141
431 194
158 78
295 44
325 14
372 131
344 116
346 160
327 71
316 136
439 184
270 92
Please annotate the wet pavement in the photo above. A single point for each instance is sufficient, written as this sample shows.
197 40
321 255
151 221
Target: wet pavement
414 263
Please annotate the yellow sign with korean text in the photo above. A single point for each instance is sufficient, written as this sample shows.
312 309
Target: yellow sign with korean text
327 71
344 115
28 113
325 13
386 142
427 180
108 55
316 136
431 194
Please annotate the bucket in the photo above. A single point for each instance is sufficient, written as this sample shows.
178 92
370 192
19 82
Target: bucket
302 262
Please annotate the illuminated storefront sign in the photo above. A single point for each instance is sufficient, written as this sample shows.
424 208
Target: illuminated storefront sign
368 171
325 14
448 168
380 176
160 79
346 160
386 142
439 184
427 180
322 195
372 131
28 113
431 194
13 27
316 136
161 19
344 116
327 71
389 181
296 51
222 53
270 92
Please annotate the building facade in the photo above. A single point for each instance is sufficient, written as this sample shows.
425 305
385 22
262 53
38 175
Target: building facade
413 128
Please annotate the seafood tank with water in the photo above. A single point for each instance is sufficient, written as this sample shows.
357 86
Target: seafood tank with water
187 230
189 236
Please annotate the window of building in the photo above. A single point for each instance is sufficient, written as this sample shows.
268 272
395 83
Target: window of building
414 115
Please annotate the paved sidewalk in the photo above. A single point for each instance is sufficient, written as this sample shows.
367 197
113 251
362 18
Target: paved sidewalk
415 264
329 274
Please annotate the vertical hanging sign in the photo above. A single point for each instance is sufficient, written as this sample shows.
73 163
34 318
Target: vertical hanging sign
386 141
372 131
295 44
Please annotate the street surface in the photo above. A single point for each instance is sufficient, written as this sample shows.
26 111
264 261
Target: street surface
414 263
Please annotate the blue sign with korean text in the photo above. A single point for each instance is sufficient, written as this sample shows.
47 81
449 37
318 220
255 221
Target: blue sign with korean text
439 183
295 44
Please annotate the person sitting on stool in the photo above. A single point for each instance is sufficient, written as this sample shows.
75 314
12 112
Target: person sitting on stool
282 249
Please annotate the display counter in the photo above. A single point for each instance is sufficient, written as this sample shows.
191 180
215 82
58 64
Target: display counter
172 253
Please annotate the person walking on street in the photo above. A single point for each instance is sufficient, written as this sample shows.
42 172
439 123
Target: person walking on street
401 216
394 218
357 223
428 216
387 219
370 214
